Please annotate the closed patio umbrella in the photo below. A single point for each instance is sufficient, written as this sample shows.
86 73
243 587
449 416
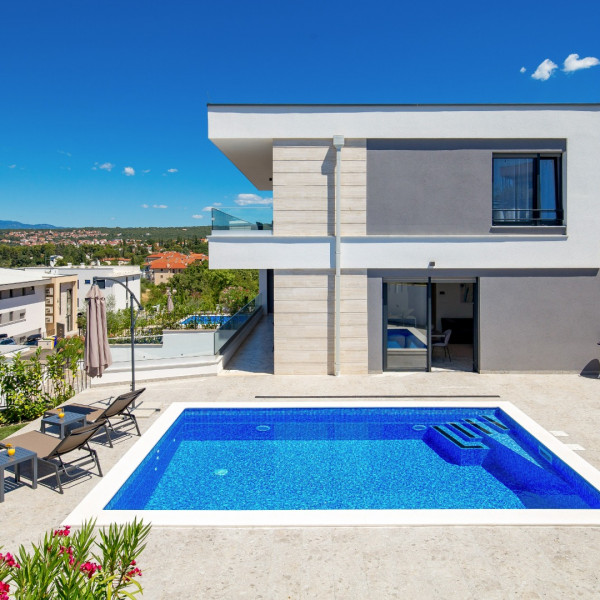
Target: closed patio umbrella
97 350
170 306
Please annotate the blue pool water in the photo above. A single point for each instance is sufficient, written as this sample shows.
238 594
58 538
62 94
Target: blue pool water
350 458
403 338
206 319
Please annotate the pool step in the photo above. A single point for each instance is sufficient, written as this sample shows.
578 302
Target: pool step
494 433
456 444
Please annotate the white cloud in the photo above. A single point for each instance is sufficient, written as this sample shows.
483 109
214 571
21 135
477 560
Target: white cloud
65 153
246 199
172 170
12 166
159 206
146 171
128 171
209 208
522 70
574 63
105 166
197 216
145 206
544 70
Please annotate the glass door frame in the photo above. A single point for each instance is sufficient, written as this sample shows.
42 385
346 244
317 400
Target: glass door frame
429 281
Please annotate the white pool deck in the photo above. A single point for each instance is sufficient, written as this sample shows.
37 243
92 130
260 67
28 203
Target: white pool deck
347 562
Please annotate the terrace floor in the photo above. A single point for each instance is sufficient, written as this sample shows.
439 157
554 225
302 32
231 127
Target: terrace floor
351 563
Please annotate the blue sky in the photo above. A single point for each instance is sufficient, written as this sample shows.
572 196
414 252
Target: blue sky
103 104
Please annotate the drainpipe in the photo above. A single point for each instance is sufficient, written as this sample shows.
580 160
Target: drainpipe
338 142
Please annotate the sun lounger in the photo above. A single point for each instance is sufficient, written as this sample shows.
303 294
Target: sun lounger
119 407
50 448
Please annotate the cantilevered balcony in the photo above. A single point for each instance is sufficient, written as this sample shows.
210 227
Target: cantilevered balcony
242 220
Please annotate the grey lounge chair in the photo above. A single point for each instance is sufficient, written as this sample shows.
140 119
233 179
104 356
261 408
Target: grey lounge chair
119 407
444 344
48 447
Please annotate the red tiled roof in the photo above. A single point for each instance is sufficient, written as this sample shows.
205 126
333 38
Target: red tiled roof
175 260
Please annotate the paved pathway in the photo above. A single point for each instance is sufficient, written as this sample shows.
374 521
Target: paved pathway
256 353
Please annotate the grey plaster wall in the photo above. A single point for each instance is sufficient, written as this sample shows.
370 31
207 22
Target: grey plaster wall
375 324
546 323
429 187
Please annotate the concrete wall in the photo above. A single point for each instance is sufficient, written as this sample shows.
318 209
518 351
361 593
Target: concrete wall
304 187
303 322
435 186
375 323
545 323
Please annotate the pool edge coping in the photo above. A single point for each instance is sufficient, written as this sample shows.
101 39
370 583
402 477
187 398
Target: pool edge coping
92 506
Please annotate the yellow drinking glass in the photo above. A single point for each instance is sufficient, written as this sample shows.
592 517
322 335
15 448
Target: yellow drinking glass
10 450
61 414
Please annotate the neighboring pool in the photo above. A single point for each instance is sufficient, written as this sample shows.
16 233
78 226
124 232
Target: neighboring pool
205 319
349 464
403 338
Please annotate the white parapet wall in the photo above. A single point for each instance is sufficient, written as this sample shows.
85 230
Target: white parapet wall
182 354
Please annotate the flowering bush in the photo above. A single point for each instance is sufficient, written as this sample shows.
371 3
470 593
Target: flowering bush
64 567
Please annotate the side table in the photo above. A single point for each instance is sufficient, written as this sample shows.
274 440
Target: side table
70 418
20 456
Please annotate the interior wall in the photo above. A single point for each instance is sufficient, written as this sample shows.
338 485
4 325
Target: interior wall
450 302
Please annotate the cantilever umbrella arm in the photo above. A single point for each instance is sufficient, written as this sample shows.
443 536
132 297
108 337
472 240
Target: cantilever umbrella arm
132 299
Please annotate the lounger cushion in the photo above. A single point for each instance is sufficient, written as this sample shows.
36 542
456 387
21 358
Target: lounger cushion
37 442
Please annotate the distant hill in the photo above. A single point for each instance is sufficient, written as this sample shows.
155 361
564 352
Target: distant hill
17 225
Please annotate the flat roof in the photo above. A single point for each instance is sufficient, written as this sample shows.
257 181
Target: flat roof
246 133
19 277
368 105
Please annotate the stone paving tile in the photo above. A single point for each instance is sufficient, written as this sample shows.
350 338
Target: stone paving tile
345 563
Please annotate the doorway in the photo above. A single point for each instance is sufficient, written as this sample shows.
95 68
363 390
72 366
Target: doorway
430 325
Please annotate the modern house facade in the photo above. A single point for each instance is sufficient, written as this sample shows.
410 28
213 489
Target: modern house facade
394 225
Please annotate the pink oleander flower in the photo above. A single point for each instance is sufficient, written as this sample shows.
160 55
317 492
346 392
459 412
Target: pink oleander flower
4 589
133 573
89 568
63 532
9 560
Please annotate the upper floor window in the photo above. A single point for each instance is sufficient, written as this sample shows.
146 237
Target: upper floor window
527 190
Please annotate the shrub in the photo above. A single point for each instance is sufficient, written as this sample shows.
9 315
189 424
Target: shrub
234 297
29 388
64 565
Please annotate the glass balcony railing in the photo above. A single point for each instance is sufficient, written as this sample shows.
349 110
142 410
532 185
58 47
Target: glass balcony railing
242 218
229 329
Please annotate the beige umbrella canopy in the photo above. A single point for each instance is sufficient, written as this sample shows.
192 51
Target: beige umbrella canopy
97 350
170 306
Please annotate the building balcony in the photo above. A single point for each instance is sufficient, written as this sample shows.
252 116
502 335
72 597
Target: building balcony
242 220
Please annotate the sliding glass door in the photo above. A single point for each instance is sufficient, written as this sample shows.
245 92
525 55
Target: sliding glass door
407 309
430 323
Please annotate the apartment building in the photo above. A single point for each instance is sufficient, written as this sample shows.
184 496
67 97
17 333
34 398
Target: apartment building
32 303
407 237
84 275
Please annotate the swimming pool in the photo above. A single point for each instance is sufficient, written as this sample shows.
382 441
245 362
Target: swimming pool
348 464
215 320
404 338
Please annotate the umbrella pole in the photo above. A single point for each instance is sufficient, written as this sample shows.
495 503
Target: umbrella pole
132 299
132 343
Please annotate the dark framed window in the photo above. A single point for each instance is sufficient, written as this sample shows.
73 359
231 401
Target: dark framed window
527 189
